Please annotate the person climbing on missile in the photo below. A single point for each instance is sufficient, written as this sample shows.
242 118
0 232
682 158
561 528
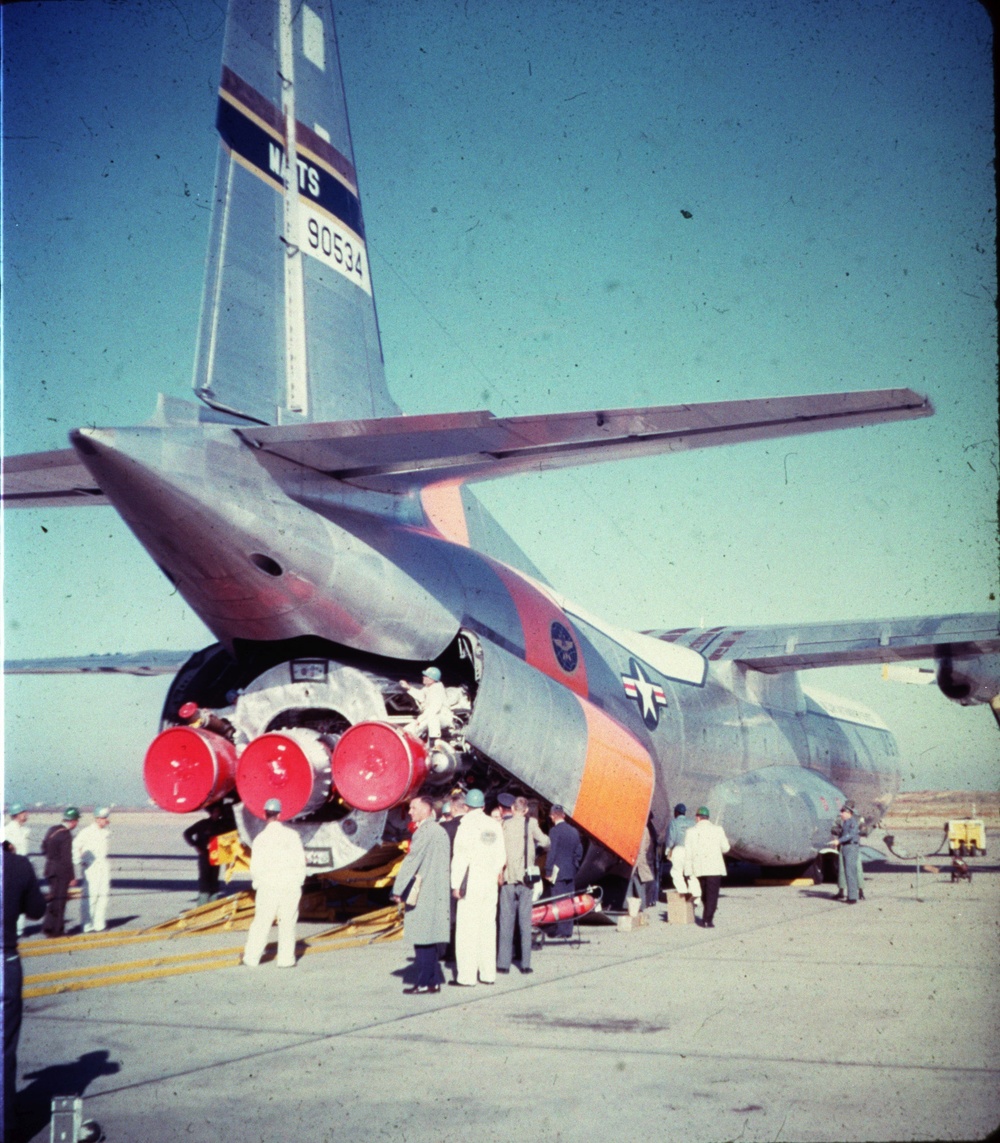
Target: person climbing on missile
432 700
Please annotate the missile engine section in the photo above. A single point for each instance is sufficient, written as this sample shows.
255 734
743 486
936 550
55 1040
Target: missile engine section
336 738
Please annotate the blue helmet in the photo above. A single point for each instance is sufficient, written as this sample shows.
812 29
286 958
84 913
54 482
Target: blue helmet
432 673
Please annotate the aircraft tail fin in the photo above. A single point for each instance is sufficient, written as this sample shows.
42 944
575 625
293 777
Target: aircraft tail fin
288 328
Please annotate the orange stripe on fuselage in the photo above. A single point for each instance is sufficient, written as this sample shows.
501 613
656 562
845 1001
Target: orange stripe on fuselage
617 785
442 504
537 613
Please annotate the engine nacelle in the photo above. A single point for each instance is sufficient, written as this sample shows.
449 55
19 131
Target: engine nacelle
970 681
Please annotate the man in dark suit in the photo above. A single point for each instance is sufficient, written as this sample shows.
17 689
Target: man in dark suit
565 856
57 847
199 836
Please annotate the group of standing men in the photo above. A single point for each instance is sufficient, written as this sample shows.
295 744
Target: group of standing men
22 897
63 853
695 850
463 868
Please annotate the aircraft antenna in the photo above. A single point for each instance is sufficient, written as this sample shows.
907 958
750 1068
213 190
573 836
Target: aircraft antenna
296 383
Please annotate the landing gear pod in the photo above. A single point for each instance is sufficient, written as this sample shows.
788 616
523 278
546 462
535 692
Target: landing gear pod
376 766
185 769
292 765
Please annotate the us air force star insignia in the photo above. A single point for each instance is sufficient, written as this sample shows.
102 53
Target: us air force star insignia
646 693
564 647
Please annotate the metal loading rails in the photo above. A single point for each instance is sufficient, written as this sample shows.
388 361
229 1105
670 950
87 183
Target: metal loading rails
234 914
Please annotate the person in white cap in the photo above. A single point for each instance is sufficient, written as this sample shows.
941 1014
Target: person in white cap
90 852
705 843
17 833
476 871
277 869
432 699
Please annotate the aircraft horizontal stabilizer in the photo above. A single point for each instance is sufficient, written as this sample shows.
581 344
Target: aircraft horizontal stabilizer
130 663
48 480
395 453
796 648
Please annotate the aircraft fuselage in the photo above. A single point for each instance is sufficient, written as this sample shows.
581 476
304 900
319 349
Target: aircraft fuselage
265 550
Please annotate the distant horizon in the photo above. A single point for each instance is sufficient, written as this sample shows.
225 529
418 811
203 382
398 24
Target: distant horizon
149 808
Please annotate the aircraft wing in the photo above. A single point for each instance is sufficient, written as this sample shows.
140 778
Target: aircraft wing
131 663
394 453
798 647
48 480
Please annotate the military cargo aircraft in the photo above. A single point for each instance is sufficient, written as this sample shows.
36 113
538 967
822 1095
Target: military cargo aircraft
334 548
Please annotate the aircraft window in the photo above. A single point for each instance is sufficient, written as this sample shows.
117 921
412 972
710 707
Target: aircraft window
266 564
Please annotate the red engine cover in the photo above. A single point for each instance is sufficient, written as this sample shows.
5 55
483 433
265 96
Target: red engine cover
375 766
294 769
185 769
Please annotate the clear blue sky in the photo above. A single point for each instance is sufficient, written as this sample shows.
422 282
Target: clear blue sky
524 168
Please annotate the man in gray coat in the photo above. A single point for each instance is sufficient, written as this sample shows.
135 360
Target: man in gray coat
423 887
522 837
849 844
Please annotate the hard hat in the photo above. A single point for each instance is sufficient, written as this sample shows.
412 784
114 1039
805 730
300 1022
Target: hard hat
680 808
16 809
272 806
71 814
703 812
432 673
102 812
475 799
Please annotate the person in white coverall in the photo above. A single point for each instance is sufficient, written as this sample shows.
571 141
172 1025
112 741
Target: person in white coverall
277 869
478 861
18 834
432 698
90 852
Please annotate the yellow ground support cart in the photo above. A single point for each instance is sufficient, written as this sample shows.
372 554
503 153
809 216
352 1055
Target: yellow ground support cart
966 837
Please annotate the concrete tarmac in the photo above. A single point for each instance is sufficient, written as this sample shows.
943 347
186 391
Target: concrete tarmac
795 1018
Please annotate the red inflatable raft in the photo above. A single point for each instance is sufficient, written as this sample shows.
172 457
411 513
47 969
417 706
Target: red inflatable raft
562 909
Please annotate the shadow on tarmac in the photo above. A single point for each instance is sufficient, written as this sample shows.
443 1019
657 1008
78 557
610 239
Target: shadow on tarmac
178 884
77 930
33 1104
